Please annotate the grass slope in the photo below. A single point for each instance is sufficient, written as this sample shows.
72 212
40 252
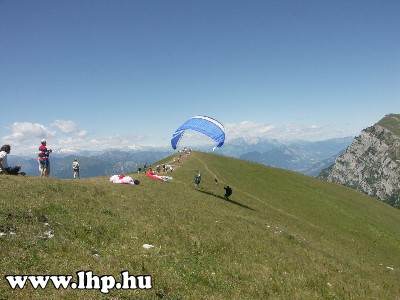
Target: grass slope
391 122
282 236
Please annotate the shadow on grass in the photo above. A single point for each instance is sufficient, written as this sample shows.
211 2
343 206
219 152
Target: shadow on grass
227 200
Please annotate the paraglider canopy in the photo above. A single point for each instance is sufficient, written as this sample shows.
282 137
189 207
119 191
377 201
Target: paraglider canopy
203 124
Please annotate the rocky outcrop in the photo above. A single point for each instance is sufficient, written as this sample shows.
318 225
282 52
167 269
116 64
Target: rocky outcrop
371 164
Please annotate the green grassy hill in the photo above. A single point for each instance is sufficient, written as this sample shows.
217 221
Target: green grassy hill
391 122
282 235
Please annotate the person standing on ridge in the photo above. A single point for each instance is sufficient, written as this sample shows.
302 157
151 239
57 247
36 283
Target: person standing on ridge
75 166
43 159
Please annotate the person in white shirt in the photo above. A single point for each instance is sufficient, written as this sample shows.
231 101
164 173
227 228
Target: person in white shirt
75 166
4 168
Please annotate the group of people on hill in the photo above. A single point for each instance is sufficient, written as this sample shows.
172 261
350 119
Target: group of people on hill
44 166
164 167
43 162
228 189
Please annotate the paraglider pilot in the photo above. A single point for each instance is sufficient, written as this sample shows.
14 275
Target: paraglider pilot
228 191
197 179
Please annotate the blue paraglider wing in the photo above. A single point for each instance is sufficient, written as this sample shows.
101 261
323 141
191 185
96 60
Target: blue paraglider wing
203 124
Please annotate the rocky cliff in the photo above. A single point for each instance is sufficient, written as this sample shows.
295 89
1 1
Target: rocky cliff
371 164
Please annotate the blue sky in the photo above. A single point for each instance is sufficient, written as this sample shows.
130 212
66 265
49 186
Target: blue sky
96 74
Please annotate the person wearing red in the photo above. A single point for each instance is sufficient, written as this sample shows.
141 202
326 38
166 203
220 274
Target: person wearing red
43 159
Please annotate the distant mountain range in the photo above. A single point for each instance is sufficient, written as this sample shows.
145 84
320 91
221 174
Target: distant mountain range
300 156
304 157
371 164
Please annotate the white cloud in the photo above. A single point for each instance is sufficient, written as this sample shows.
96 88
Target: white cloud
253 132
76 143
82 133
69 127
66 136
248 129
25 136
65 126
22 131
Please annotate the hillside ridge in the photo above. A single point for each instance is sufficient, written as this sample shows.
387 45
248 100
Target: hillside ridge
282 235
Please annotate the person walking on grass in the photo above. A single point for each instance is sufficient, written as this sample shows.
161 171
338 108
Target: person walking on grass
197 179
228 191
75 167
